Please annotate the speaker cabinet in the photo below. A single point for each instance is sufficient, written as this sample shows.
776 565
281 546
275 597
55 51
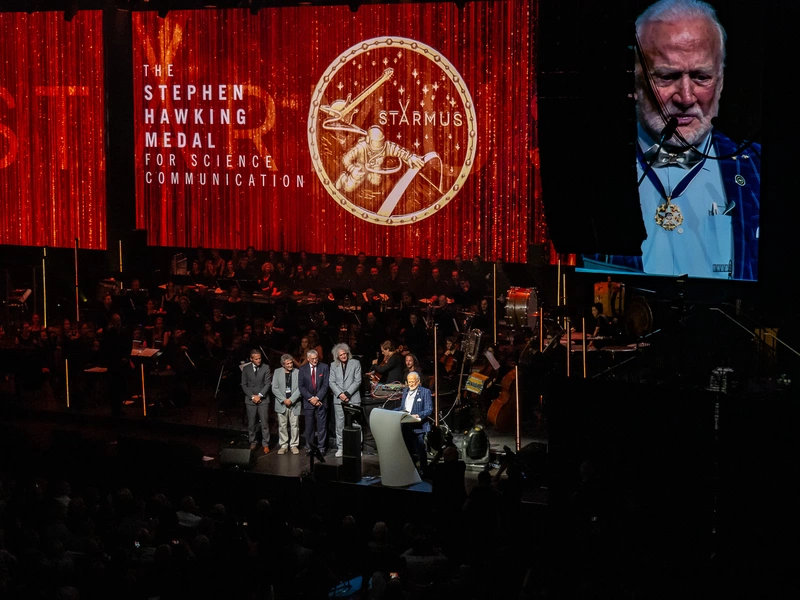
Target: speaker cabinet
236 457
350 471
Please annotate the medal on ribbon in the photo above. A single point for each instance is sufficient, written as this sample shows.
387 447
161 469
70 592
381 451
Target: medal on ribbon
669 215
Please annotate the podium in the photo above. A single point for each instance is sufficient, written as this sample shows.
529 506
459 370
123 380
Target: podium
397 468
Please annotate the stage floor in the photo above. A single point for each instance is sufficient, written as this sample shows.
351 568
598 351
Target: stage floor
217 430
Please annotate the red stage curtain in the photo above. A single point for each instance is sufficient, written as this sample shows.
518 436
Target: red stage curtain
279 57
52 130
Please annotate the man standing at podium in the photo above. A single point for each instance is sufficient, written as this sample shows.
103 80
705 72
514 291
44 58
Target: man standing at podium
256 382
418 402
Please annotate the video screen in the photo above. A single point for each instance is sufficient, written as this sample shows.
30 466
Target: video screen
395 129
52 130
698 112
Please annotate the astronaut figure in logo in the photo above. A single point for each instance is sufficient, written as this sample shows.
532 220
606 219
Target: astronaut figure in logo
367 159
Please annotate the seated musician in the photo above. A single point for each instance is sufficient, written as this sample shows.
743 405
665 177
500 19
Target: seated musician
483 319
411 363
267 279
415 335
368 301
230 270
299 356
298 280
219 262
314 283
602 330
390 368
451 357
196 272
281 277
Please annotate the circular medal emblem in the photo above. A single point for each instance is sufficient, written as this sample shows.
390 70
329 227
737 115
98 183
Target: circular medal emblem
392 131
669 216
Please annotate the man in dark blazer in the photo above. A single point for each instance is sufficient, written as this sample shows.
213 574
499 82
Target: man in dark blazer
288 405
346 382
418 402
256 381
314 390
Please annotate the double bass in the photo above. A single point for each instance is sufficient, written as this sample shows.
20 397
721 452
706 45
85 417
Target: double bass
501 413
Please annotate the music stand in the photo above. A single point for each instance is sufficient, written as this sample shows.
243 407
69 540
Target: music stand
340 293
226 283
182 280
354 413
249 286
216 395
146 358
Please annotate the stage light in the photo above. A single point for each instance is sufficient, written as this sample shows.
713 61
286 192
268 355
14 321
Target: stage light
475 447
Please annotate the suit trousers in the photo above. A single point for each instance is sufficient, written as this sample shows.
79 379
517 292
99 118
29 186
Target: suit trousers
317 428
288 429
415 442
261 411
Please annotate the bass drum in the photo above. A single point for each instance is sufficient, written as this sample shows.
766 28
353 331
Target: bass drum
522 307
638 318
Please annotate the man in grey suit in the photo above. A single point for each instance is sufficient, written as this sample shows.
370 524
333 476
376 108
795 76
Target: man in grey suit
256 383
288 405
345 383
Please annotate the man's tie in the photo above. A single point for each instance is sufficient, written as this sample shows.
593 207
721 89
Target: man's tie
314 378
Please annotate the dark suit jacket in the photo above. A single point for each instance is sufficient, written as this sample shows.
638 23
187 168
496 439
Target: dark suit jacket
256 383
306 390
423 407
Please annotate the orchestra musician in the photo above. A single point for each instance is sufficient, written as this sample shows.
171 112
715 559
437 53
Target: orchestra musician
452 356
390 367
411 363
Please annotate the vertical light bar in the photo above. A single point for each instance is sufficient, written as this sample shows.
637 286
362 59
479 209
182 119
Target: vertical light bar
44 285
77 291
494 303
518 435
435 377
583 345
66 377
144 400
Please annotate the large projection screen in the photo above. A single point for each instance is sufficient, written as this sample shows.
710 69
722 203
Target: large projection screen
397 129
52 130
700 188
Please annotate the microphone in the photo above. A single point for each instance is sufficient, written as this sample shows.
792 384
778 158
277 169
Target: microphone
669 130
